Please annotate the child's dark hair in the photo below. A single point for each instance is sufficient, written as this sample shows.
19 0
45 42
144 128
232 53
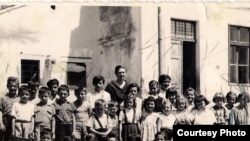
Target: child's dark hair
190 89
244 95
200 98
97 79
118 67
52 82
23 88
63 87
161 133
219 95
153 83
46 131
112 135
163 77
231 94
171 91
12 79
132 85
128 97
91 137
147 100
43 90
79 90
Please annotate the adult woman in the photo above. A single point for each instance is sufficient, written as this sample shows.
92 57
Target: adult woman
118 87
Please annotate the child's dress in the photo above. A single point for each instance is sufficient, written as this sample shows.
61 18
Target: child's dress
183 117
130 129
149 126
166 124
221 114
239 116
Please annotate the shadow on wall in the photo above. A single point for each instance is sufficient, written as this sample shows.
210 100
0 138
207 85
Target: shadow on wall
105 38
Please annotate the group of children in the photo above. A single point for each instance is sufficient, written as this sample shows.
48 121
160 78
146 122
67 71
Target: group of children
30 112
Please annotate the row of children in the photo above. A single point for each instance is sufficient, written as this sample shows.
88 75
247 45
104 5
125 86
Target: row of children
121 110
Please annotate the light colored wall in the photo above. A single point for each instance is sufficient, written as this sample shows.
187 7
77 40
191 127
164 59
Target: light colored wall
35 31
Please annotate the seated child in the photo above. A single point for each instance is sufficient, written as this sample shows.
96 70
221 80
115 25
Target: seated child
99 123
46 135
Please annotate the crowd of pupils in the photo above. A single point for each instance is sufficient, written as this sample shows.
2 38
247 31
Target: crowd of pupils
120 112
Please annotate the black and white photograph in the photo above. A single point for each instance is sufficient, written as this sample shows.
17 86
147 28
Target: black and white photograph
124 72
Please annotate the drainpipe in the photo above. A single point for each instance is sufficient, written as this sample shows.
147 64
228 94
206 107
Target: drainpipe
159 41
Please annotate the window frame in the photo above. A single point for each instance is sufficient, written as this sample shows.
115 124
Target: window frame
21 71
238 44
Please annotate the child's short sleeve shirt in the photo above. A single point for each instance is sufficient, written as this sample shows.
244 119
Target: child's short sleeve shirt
64 111
22 111
44 113
6 104
104 120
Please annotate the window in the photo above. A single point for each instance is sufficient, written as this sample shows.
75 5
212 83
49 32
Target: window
239 54
184 30
30 70
76 74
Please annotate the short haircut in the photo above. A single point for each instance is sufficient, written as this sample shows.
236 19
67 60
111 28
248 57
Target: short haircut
23 88
171 91
97 79
46 131
80 89
43 90
132 85
113 103
161 133
219 95
163 77
52 82
154 83
231 94
118 67
99 102
127 99
166 102
200 98
12 79
63 87
147 100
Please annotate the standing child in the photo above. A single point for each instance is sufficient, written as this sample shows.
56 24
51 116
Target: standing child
181 113
44 113
172 95
240 114
98 93
231 98
129 120
166 120
82 113
149 120
164 81
6 103
201 115
133 89
65 117
112 112
99 123
190 95
53 84
219 110
154 92
23 122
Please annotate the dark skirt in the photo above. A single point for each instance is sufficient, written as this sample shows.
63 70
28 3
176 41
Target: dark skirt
130 132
